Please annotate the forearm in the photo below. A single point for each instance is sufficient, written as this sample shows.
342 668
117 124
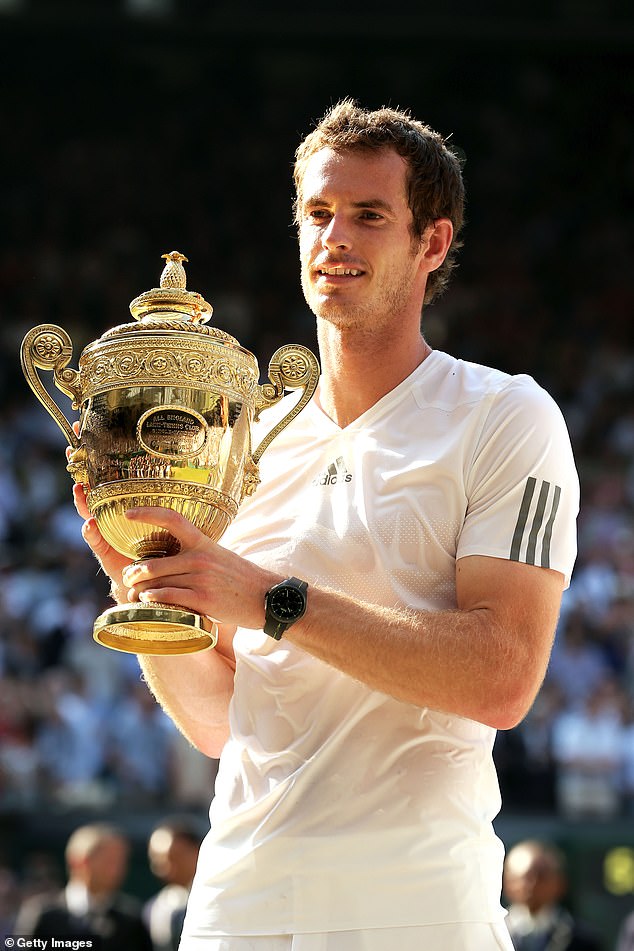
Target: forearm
485 660
195 691
454 661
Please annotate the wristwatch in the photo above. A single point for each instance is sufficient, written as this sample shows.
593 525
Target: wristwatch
284 604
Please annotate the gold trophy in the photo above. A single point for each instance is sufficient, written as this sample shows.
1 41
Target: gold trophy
166 406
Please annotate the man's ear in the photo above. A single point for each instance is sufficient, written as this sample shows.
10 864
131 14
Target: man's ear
438 236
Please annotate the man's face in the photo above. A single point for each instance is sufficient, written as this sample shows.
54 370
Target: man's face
531 879
360 266
172 857
106 866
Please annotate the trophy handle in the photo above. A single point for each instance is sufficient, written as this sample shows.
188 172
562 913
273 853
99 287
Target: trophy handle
292 367
48 347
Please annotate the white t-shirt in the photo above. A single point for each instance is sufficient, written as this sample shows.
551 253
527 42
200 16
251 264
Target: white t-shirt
336 806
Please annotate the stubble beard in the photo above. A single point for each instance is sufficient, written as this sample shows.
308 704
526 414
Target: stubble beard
374 314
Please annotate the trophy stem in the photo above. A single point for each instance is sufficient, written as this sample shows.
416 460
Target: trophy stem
154 629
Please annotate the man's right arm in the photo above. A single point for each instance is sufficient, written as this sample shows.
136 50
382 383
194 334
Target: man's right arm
194 689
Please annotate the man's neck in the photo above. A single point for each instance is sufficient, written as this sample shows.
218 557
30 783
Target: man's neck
358 372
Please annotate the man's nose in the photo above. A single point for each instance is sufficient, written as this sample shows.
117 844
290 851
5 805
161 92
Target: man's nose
336 235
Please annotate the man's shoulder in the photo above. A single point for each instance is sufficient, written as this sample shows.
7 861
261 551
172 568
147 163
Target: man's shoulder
449 382
40 909
53 899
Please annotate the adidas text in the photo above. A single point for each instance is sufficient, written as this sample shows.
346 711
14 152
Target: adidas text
335 473
328 479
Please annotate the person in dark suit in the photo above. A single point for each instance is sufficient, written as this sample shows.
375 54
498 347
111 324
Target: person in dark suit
535 884
91 906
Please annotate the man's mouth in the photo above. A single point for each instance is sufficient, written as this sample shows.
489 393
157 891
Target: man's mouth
339 271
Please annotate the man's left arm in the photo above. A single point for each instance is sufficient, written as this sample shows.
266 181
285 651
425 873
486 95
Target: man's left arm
484 660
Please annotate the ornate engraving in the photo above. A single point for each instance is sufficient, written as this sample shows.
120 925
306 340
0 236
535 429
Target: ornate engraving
174 361
174 324
48 347
138 492
171 432
294 367
251 478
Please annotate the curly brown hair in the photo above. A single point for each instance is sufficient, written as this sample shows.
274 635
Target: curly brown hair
435 188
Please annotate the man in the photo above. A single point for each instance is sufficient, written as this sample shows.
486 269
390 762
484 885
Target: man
91 907
535 884
172 853
356 789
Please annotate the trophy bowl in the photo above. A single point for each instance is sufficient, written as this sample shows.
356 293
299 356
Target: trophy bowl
166 406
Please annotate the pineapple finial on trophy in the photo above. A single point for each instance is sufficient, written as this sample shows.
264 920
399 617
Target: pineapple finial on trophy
174 273
172 298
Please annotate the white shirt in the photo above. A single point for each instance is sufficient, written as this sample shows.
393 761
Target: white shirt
336 806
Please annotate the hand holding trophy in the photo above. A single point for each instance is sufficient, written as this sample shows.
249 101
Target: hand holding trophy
166 407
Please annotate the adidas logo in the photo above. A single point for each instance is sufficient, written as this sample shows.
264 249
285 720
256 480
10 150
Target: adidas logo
335 473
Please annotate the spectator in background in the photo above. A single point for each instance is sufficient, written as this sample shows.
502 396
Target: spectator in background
139 747
577 665
19 761
588 754
535 885
172 852
529 780
91 906
70 741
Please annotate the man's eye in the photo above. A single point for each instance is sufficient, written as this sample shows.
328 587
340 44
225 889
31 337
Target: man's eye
371 216
318 214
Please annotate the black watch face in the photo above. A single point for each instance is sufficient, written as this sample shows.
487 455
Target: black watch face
286 603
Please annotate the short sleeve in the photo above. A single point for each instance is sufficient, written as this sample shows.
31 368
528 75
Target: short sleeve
522 483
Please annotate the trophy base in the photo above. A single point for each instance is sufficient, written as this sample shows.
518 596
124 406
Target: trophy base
154 629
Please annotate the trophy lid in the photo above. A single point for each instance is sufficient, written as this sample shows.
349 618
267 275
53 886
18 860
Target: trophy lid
172 295
171 307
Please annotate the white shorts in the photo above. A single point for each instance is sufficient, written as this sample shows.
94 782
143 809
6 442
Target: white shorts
450 937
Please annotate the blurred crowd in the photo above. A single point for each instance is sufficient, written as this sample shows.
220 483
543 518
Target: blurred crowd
544 287
87 896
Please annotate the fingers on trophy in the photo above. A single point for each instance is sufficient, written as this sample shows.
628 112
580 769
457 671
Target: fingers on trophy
166 407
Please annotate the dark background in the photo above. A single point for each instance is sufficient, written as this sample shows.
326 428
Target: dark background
132 130
124 137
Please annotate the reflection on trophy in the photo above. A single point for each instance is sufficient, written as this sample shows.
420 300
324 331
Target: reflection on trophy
166 406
